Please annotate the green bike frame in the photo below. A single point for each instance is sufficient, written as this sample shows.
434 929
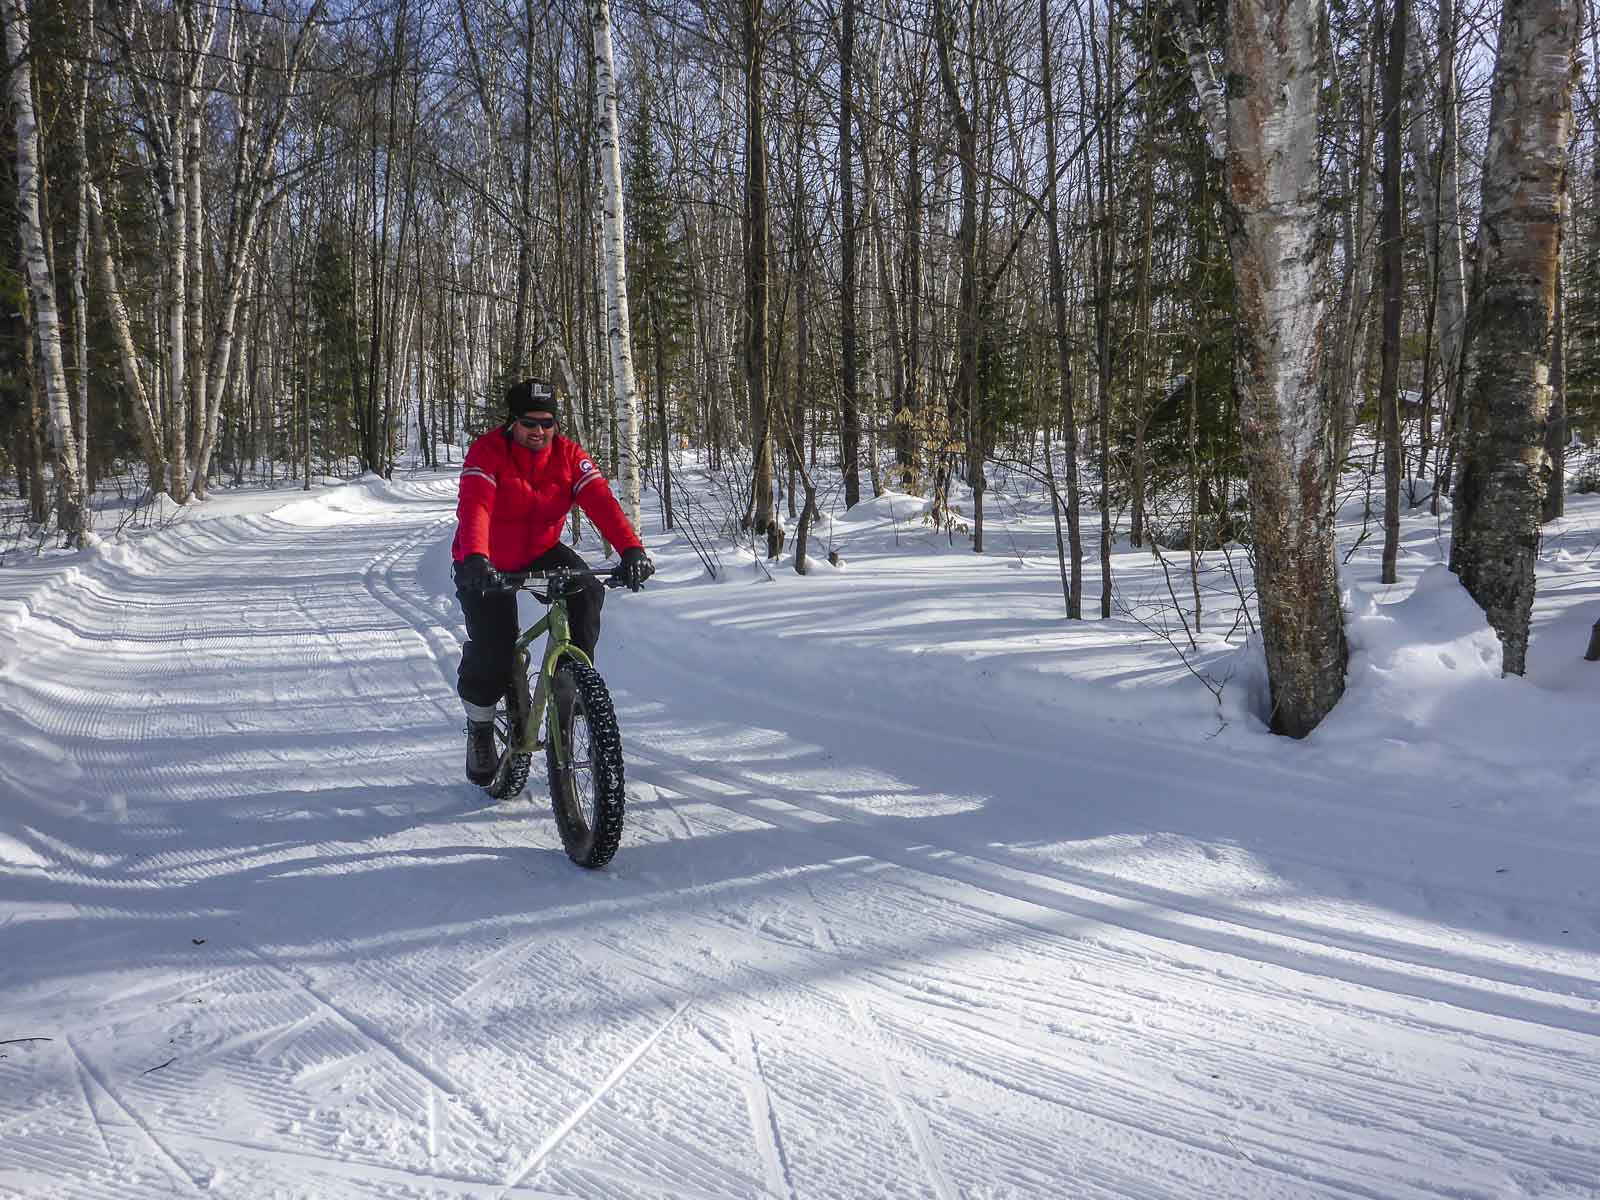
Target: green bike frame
555 623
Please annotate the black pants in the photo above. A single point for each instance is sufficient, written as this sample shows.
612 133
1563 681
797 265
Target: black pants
485 671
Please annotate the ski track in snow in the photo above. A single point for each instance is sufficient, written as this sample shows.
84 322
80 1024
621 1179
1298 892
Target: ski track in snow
279 949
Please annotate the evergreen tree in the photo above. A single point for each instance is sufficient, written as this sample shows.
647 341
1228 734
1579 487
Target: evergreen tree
659 280
336 362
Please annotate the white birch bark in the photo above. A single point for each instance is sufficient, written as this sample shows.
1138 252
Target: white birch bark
618 326
1452 319
78 74
255 155
1434 150
1506 386
41 284
1348 344
171 129
1213 100
194 262
1274 59
146 419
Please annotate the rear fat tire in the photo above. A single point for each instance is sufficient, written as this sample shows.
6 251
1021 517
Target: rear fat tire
590 735
511 776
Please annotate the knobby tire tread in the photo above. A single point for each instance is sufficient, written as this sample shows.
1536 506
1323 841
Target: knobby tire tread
580 689
511 776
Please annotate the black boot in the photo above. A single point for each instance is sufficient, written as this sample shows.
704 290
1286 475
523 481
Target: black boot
481 757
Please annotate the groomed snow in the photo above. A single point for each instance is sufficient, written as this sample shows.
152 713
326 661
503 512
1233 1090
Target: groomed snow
923 892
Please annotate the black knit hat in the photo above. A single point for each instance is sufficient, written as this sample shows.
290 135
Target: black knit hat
531 395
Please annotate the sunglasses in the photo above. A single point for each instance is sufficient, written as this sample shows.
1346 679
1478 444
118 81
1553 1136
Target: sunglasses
537 422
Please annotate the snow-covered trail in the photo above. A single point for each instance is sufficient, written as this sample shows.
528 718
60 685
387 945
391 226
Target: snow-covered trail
872 932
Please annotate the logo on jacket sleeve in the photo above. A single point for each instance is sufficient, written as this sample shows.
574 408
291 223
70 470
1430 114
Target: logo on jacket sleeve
587 474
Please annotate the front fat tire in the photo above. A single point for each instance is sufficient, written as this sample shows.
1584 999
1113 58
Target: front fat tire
588 732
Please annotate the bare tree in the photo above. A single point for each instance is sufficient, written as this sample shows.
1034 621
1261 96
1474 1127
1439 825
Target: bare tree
1393 255
762 515
36 265
1511 324
1058 312
964 396
1274 59
850 405
613 220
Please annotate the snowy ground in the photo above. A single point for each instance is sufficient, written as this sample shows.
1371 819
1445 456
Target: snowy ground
924 891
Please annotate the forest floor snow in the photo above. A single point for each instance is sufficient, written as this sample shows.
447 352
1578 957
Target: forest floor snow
924 891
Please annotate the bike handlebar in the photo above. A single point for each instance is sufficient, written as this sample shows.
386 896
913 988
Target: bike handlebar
516 581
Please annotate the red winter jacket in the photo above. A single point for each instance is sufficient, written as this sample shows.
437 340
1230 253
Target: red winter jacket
514 502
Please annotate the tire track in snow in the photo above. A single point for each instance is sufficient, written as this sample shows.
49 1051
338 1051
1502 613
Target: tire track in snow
360 1026
570 1122
1352 1079
763 1114
1133 1107
1198 930
379 580
905 1107
1124 756
349 1172
181 1172
186 653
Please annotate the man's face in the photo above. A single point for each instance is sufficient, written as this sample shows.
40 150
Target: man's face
533 430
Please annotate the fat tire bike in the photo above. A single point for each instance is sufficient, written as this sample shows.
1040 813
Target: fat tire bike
561 705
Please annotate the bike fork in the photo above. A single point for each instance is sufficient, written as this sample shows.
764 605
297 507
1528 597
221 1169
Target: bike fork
528 739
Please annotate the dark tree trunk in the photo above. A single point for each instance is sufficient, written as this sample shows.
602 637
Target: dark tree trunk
1393 286
964 395
911 288
1555 439
761 517
1511 325
849 404
1058 311
658 337
1106 89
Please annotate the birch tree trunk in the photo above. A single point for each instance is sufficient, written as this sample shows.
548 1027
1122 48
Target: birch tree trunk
1346 358
165 82
964 396
1393 257
763 517
1274 59
1506 390
1063 343
152 438
1105 243
78 74
1556 431
255 152
1451 292
849 400
41 283
619 326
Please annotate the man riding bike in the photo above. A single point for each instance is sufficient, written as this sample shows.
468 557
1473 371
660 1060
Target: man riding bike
518 484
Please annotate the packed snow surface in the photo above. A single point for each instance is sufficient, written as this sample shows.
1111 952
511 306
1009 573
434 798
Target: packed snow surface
924 891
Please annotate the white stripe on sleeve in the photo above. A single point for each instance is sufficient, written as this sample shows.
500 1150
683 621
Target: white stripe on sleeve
480 474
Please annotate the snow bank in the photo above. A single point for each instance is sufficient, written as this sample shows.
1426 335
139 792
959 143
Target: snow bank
1425 698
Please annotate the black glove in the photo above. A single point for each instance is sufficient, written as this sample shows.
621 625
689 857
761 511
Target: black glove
634 568
477 574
